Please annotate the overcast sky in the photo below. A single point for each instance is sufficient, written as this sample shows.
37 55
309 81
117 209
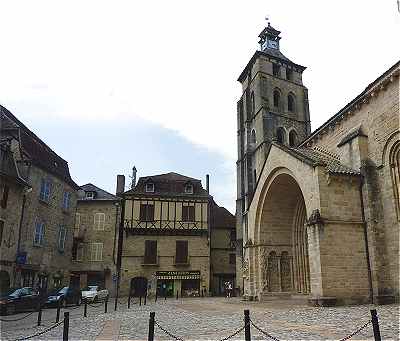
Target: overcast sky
112 84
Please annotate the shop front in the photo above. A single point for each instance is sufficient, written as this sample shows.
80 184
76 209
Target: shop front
185 283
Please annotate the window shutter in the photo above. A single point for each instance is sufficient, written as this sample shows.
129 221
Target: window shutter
191 213
146 212
184 213
150 252
142 212
150 212
181 256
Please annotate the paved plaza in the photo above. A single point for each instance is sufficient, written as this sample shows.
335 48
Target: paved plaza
210 319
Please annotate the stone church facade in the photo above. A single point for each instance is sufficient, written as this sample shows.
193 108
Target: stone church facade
319 212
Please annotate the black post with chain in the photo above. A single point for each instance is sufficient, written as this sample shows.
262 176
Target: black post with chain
66 326
151 326
247 335
85 309
375 325
58 311
39 317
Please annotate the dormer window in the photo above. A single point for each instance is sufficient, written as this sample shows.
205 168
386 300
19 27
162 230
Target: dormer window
149 187
189 189
89 195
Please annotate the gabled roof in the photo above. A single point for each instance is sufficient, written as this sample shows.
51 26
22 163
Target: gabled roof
221 217
169 184
100 194
34 149
319 157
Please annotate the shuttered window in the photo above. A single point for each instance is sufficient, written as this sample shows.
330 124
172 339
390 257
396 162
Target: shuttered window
38 236
181 256
62 234
150 252
188 213
45 190
96 251
146 212
99 221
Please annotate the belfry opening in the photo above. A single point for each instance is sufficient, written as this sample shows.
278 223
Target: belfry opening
284 263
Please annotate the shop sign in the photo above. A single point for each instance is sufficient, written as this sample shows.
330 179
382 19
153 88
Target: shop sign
178 274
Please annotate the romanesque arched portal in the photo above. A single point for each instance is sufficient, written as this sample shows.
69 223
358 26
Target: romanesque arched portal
283 238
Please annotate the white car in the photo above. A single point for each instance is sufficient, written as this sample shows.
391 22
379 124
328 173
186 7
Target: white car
94 293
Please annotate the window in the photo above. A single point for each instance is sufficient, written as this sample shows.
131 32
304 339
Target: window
233 236
289 74
146 212
394 160
181 254
277 99
292 138
253 104
66 200
45 190
276 70
99 221
253 139
150 187
281 135
189 189
4 196
38 237
77 221
232 258
1 231
96 252
150 252
291 103
89 195
79 252
62 233
188 213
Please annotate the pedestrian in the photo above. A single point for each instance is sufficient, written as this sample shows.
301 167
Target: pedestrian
229 289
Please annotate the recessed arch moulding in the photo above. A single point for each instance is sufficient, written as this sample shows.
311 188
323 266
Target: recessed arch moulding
305 234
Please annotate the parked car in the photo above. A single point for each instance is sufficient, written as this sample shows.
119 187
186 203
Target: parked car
19 299
64 296
94 293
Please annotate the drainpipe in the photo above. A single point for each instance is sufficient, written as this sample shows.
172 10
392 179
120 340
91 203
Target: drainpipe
364 222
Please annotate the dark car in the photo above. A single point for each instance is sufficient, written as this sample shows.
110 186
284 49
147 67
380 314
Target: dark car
19 299
64 296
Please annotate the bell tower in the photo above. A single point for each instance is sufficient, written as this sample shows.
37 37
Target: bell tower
273 107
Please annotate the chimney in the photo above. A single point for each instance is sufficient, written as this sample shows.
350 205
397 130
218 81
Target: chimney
120 184
208 184
133 183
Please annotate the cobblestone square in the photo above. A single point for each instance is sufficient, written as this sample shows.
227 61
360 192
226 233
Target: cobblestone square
210 319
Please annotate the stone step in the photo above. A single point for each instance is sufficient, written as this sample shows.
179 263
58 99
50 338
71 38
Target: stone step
273 296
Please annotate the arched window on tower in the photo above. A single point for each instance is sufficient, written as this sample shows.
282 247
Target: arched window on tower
292 138
281 135
277 98
291 103
253 139
394 161
253 105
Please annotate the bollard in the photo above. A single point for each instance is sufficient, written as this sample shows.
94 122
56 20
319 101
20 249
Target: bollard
145 299
129 300
115 303
165 295
106 305
247 335
375 325
39 317
155 298
85 309
140 300
177 294
202 293
66 326
58 311
151 326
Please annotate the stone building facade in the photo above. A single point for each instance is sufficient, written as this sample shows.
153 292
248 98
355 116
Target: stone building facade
47 210
318 211
222 249
95 238
166 241
12 190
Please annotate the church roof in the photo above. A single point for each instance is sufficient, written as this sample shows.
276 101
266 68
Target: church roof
319 157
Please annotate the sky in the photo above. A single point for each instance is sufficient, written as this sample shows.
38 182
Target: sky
113 84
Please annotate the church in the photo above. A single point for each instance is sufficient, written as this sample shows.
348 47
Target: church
318 211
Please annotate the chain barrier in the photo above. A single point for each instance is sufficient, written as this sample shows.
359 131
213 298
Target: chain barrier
18 319
123 303
263 331
72 308
234 334
40 333
356 332
167 332
95 305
